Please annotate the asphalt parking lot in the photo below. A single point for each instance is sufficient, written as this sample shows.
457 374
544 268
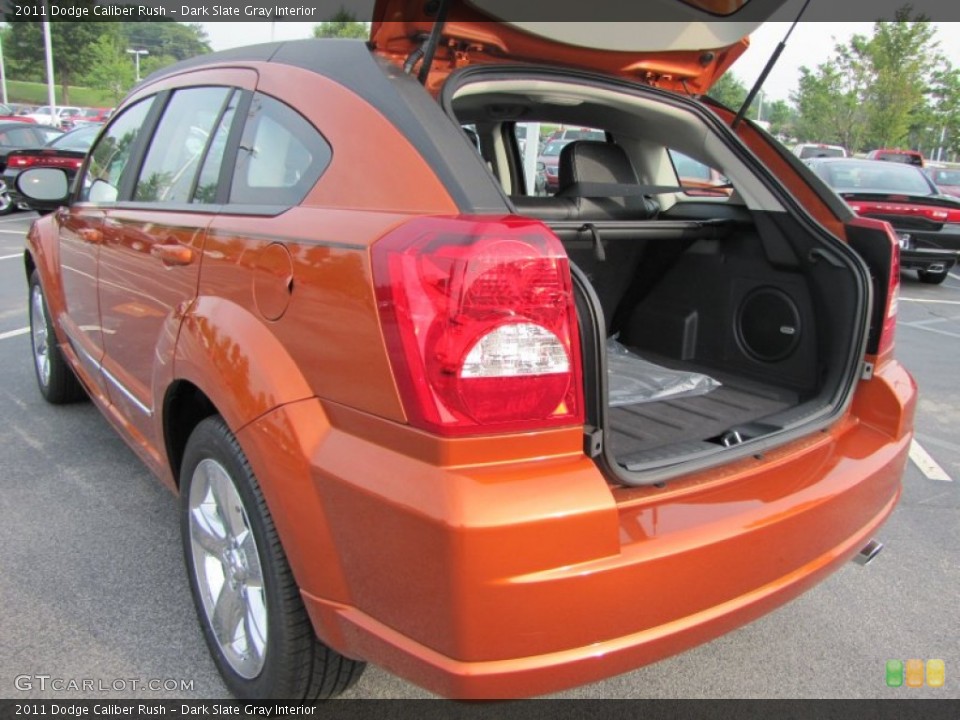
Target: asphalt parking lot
92 585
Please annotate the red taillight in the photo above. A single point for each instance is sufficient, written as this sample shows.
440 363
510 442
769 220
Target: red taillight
936 214
44 161
21 161
480 322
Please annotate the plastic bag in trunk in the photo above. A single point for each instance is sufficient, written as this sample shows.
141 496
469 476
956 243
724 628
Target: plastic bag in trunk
632 380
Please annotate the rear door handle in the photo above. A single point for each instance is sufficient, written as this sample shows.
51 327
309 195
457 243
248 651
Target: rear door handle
90 235
173 254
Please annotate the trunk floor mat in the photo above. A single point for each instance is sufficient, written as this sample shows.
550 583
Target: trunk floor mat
639 431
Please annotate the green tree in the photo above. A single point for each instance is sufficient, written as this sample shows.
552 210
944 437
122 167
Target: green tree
343 24
729 91
165 38
112 68
939 127
903 56
780 116
873 91
74 50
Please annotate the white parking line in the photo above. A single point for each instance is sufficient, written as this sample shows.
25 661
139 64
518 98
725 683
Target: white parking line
914 326
927 465
14 333
929 329
935 302
13 232
11 257
31 218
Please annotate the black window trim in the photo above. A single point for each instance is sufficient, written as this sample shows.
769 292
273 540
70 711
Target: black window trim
74 198
204 155
229 162
138 153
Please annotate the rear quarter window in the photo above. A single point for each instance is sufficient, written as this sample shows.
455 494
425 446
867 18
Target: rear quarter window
281 156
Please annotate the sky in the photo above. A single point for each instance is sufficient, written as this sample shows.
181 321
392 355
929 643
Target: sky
810 44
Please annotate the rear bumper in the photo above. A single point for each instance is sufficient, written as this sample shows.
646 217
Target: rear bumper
519 579
928 259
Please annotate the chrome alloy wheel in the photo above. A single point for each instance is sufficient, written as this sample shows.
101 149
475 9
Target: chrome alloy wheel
39 336
6 202
226 564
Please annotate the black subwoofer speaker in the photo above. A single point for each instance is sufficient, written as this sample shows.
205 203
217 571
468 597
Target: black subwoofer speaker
768 324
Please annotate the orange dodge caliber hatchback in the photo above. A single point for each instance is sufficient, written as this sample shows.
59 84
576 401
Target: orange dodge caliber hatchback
498 444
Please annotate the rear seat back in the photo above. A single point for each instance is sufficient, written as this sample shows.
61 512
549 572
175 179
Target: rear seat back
591 162
610 265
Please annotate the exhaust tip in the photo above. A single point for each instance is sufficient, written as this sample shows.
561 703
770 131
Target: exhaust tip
868 552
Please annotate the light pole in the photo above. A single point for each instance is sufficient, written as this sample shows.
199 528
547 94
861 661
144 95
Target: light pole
3 75
136 54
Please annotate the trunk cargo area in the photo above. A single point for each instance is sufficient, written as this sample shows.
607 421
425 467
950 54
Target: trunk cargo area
751 301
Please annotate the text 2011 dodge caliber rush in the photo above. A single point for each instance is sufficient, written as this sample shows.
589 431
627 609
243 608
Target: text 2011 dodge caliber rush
497 443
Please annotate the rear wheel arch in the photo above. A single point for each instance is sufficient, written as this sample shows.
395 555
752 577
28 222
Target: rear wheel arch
184 407
28 264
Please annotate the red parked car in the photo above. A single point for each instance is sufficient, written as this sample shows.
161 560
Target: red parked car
8 114
907 157
380 377
86 116
947 180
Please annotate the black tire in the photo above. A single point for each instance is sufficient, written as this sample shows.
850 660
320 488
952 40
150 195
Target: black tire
932 278
55 377
293 663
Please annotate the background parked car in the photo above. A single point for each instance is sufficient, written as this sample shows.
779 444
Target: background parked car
54 116
65 151
14 136
89 115
926 221
548 164
812 150
8 113
907 157
947 180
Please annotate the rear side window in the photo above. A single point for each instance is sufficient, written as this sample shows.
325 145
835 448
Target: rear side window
178 145
904 158
111 155
811 151
281 156
20 137
700 180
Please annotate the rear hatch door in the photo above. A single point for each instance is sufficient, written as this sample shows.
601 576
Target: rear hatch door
687 48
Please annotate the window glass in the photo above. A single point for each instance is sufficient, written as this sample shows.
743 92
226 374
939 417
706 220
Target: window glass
208 181
109 157
280 158
20 137
174 157
79 139
701 179
550 140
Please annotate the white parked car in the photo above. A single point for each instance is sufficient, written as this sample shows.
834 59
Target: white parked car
54 116
805 151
